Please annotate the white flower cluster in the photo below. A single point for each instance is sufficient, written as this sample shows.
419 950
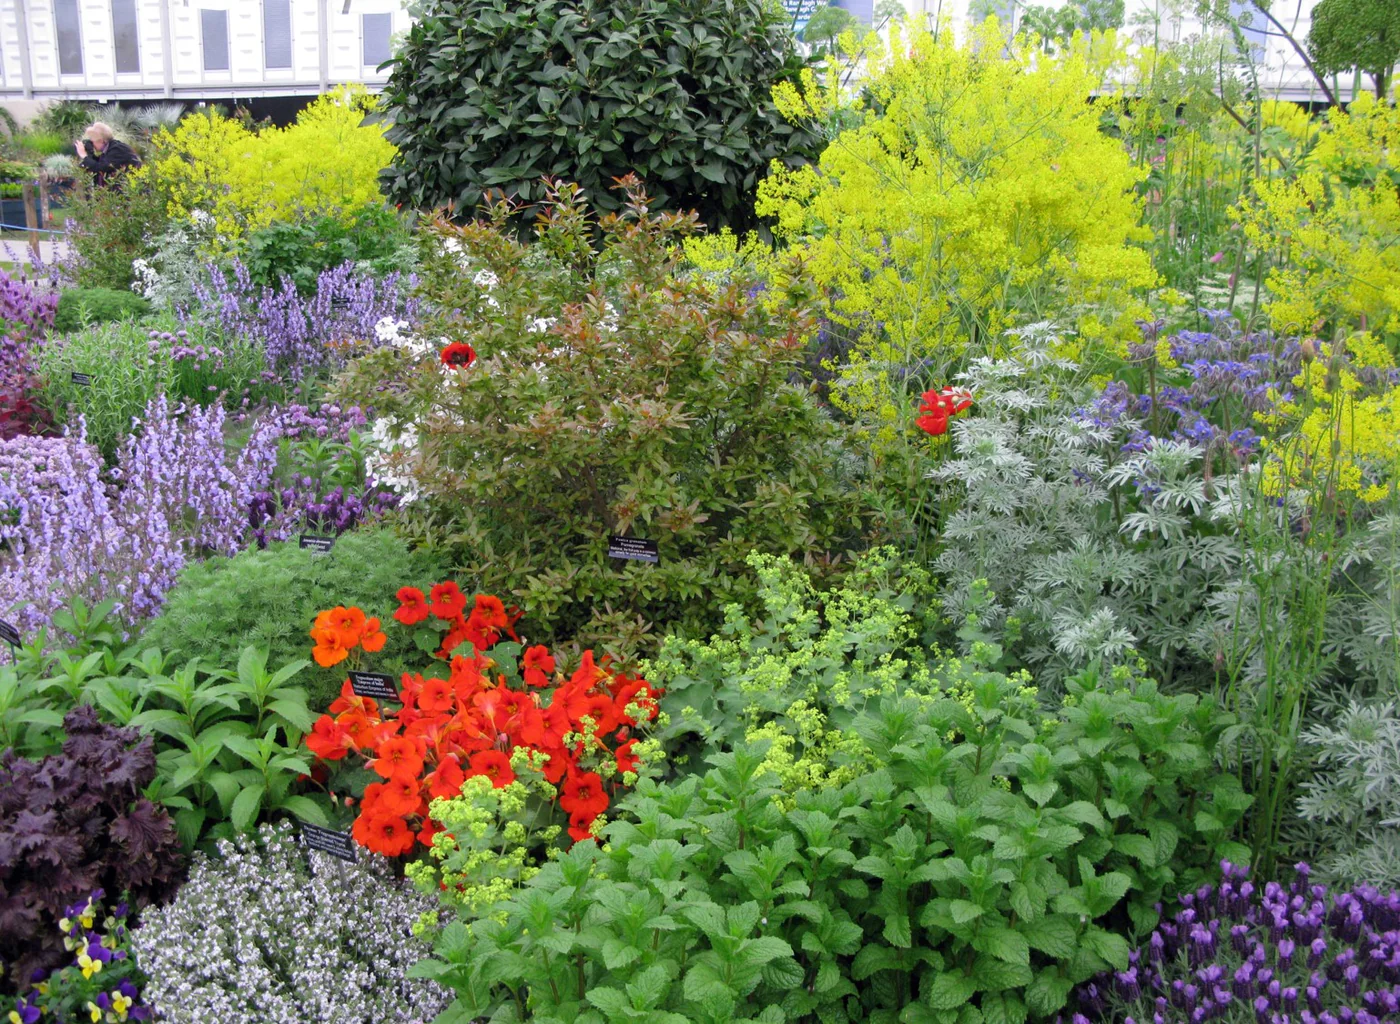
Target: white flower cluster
147 283
389 331
256 938
384 461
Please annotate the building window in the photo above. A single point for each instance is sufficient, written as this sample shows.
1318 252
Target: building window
277 33
213 34
376 29
126 37
70 37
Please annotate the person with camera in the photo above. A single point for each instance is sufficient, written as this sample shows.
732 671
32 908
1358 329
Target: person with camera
103 156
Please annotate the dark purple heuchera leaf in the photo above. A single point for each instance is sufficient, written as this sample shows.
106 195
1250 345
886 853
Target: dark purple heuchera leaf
72 823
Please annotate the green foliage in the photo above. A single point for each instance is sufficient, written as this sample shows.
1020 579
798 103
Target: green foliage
651 405
976 876
269 599
130 363
301 251
497 94
228 743
1364 34
114 227
1056 26
799 673
82 307
826 26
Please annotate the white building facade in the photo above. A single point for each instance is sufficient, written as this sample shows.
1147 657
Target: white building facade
110 50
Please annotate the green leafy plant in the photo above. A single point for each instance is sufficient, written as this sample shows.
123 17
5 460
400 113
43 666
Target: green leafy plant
82 307
127 363
299 252
979 874
490 94
113 228
269 599
602 393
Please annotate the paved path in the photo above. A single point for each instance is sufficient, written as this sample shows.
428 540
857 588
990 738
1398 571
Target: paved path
21 255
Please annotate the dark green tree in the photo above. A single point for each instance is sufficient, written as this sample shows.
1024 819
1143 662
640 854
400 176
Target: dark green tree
497 94
824 29
1365 34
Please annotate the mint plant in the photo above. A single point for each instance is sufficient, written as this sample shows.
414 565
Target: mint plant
985 868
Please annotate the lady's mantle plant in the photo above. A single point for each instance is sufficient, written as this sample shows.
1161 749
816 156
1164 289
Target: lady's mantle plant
260 937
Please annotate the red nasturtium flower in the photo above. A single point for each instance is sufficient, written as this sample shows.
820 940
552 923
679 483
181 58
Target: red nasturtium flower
413 606
458 355
467 724
938 407
537 665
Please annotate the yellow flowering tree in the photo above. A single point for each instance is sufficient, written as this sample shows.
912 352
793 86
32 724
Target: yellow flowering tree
1330 234
976 191
326 163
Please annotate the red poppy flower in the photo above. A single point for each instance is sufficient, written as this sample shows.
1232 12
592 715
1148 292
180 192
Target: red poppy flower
495 765
448 601
329 739
398 756
413 606
383 834
538 664
446 782
458 355
939 406
583 792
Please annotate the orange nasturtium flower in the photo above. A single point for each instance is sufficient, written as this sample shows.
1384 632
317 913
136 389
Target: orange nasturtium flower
338 631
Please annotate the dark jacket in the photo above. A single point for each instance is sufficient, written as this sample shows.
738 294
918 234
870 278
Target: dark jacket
106 166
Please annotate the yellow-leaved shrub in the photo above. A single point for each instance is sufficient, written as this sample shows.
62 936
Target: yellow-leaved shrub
977 191
326 163
1329 234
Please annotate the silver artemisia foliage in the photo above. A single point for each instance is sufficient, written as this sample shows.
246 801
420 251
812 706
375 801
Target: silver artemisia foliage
255 937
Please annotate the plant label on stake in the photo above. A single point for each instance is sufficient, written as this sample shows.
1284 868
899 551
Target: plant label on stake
634 549
83 380
9 634
373 684
318 545
337 844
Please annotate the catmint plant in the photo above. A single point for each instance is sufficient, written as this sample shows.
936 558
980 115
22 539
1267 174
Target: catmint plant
300 333
271 933
1241 952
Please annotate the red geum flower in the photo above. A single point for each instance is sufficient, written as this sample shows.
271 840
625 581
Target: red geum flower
398 756
448 600
458 355
383 834
538 664
329 739
446 782
495 765
413 606
583 792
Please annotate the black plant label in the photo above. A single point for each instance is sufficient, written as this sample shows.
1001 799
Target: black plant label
320 545
9 633
337 844
373 684
83 380
634 549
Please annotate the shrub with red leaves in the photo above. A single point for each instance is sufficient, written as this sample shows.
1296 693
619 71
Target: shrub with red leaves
71 823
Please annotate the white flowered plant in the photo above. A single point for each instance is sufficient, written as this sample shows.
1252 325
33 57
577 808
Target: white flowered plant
257 937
